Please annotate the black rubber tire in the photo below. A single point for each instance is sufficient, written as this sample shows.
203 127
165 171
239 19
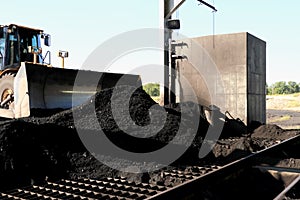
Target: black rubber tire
6 83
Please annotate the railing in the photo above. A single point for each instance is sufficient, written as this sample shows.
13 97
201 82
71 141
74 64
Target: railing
48 54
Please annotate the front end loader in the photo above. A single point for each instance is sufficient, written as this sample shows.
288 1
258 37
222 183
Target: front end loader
28 82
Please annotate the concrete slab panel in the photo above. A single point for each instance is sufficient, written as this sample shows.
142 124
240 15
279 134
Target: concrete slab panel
240 61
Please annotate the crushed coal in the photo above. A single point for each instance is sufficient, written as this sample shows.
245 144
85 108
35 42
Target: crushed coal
272 131
48 144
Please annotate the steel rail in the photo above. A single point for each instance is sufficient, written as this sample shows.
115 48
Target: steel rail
190 188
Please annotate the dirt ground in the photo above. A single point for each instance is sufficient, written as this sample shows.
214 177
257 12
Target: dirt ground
284 110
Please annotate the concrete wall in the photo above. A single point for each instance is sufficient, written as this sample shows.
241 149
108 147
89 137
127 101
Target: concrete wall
227 71
256 68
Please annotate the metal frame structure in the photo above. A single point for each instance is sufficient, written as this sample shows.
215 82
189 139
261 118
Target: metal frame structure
169 7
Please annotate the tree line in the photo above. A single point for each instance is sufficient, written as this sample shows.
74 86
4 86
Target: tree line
283 87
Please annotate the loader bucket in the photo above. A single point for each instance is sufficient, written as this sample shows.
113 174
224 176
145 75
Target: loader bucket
37 86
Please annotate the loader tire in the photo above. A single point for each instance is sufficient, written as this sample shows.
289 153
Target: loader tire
7 90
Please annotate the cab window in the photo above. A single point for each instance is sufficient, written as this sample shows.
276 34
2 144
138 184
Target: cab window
12 51
2 46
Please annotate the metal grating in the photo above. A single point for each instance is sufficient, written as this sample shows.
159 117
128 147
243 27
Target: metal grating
106 188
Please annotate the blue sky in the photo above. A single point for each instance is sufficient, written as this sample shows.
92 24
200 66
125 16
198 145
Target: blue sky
80 26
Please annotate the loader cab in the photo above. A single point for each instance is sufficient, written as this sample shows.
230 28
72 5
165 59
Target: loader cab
19 44
2 46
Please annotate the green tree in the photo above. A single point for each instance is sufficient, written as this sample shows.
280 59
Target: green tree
280 87
283 87
268 89
152 89
293 87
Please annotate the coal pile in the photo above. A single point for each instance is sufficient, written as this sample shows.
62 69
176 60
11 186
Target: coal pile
48 145
272 131
31 152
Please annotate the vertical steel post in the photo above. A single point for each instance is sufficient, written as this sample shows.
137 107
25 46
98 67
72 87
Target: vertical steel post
169 61
172 62
168 5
